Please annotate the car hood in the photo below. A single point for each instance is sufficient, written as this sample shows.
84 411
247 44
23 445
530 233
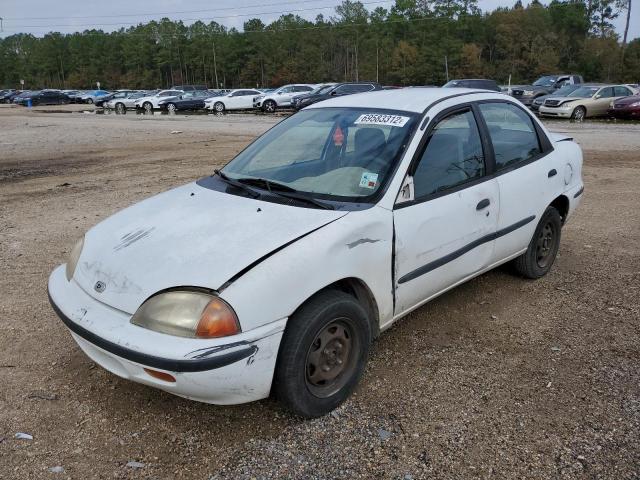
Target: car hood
563 100
189 236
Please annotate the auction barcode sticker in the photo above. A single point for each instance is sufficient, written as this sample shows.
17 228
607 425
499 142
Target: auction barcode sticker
381 119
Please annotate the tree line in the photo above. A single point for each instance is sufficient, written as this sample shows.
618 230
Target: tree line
415 42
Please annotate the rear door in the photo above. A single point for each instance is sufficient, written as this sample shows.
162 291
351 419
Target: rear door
524 171
446 233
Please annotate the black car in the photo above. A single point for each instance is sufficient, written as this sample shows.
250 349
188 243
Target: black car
42 97
9 95
333 90
187 101
480 83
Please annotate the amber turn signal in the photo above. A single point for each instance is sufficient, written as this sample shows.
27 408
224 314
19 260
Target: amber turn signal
217 320
160 375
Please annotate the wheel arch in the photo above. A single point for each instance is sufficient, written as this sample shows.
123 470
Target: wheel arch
358 289
561 203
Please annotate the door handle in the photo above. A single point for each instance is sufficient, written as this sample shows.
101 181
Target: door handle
552 173
482 204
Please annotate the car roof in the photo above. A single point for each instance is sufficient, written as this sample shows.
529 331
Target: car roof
412 99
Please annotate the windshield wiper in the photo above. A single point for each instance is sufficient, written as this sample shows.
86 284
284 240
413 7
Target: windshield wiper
252 193
285 191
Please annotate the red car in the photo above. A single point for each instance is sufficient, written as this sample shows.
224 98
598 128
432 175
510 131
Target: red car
626 107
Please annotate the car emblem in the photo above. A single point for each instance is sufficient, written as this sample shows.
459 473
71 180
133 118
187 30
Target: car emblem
99 287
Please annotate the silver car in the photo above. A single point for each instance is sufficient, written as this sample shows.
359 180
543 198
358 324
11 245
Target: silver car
122 104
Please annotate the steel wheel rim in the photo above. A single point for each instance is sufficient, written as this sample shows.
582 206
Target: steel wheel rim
148 107
579 115
171 107
119 108
269 107
545 245
218 107
331 358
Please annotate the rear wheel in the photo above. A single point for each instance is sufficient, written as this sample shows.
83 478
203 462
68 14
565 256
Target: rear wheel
269 106
543 248
322 354
579 114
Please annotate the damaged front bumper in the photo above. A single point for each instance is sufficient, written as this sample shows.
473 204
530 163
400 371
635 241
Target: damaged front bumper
223 371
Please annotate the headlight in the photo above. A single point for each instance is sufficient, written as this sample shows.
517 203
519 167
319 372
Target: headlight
187 314
74 256
566 106
527 93
635 104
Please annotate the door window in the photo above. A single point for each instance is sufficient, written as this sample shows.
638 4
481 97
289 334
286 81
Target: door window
453 155
621 91
513 136
606 93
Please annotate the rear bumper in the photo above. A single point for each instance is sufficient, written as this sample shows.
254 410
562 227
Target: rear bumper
230 370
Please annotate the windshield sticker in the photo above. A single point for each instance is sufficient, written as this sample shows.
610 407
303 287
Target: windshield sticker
369 180
381 119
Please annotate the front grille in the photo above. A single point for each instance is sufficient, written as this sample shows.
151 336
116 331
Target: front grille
551 103
517 93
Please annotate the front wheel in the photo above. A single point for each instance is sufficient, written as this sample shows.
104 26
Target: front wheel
579 114
148 107
269 106
543 247
218 107
120 108
322 354
171 108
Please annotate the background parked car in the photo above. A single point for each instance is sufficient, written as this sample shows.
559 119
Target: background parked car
100 101
122 104
8 95
269 102
240 99
587 101
543 86
149 103
625 107
43 97
333 90
481 83
189 88
92 96
193 100
562 92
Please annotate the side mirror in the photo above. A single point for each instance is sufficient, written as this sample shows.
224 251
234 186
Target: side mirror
598 96
333 93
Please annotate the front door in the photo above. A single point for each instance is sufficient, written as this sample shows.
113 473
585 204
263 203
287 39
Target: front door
446 233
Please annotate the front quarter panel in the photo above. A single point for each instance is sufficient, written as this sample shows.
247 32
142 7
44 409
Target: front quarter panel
358 245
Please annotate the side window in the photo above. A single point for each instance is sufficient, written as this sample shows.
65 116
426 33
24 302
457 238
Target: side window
303 88
620 92
513 135
453 155
606 92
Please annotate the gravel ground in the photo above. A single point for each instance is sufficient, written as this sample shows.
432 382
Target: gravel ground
499 378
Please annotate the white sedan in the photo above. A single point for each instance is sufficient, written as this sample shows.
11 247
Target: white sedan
152 102
240 99
277 272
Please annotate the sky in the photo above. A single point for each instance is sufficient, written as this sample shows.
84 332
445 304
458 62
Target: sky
41 16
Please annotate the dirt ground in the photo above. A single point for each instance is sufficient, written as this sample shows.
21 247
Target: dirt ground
499 378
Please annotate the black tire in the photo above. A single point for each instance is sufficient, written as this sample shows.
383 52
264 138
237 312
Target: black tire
120 108
218 107
579 114
543 247
89 100
269 106
147 107
329 335
171 108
